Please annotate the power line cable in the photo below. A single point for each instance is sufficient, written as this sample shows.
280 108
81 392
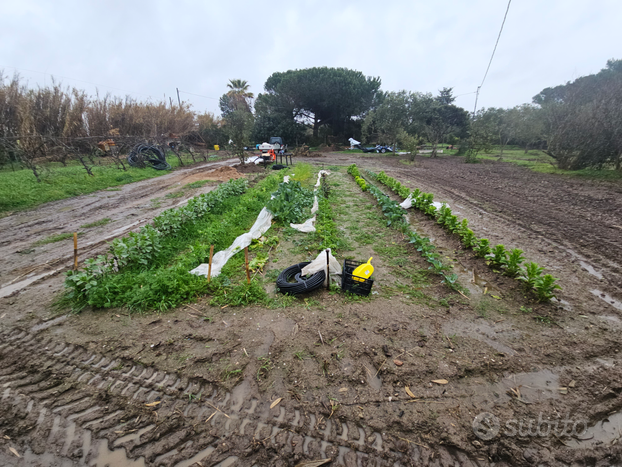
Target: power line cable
492 56
198 95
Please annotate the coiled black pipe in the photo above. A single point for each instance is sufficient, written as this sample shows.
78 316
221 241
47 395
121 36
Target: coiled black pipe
143 154
292 273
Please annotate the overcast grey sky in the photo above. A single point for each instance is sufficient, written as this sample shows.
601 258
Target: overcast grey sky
148 48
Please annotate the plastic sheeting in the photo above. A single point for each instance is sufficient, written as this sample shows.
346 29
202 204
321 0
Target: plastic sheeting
260 227
319 177
408 202
319 264
308 225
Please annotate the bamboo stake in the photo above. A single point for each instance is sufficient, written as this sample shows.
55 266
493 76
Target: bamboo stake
248 273
209 268
75 251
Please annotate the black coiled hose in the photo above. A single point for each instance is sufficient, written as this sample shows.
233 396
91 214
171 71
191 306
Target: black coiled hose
292 273
143 154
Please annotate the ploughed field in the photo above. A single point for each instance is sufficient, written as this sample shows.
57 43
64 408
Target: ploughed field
399 378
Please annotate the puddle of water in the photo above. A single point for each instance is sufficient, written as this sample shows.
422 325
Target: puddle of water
589 268
605 432
106 457
607 298
483 332
30 458
533 387
133 436
473 281
9 289
196 460
48 324
374 381
240 394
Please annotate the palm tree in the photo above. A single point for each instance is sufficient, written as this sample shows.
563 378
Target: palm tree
238 94
239 87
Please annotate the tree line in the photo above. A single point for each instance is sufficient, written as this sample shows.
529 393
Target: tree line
579 123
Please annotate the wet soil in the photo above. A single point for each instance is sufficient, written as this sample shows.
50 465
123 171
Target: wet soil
326 376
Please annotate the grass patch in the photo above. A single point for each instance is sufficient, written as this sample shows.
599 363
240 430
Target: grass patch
19 189
98 223
55 238
176 194
302 172
197 184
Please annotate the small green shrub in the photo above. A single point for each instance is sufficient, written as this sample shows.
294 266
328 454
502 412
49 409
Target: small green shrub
498 258
545 287
514 259
482 248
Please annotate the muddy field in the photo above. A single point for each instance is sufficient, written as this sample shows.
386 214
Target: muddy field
401 378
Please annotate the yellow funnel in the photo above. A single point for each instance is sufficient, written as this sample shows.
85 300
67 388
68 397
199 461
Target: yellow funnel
364 271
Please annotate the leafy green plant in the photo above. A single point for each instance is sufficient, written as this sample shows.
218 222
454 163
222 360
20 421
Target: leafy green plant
291 203
482 248
396 219
514 259
531 273
258 262
498 258
545 287
361 182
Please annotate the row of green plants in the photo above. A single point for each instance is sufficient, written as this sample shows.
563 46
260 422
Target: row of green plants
291 203
508 262
327 234
396 219
141 276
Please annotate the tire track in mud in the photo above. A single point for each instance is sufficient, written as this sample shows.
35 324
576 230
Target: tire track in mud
63 400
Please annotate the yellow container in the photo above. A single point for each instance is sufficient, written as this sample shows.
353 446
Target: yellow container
364 271
216 147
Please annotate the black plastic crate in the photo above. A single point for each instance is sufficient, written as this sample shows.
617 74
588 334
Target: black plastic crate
348 283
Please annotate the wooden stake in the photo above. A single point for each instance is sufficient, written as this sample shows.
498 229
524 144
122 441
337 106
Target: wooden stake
209 268
248 272
75 251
